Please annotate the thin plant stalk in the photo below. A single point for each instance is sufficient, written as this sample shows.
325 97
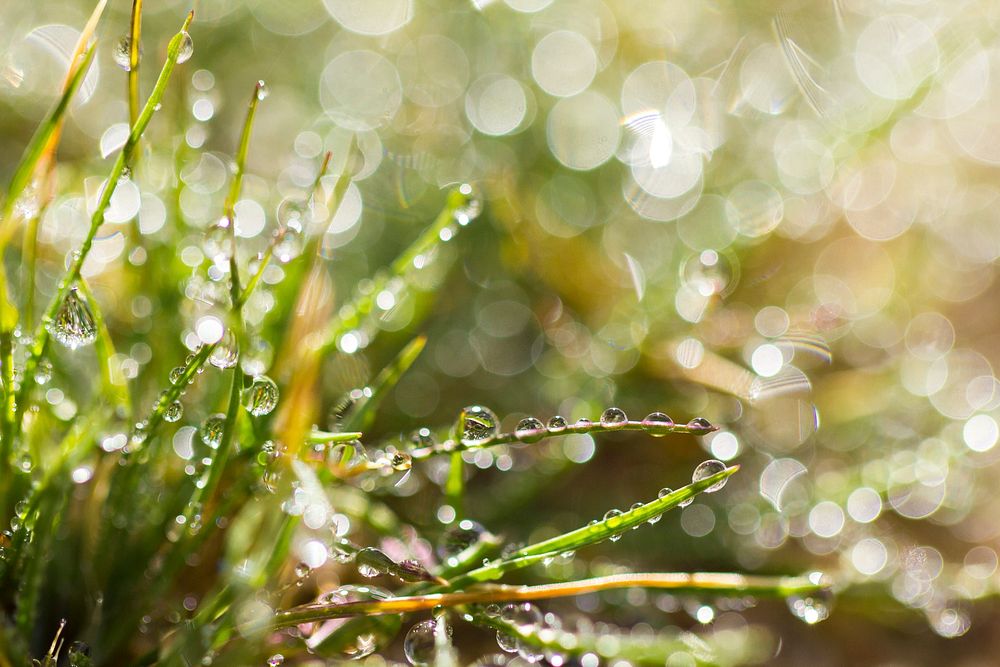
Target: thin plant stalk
41 337
714 583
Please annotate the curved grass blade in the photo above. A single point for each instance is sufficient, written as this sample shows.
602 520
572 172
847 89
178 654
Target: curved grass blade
362 303
135 33
363 414
587 535
712 583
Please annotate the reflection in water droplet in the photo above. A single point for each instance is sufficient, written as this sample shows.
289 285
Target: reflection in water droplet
613 418
211 430
261 397
73 324
226 353
657 424
557 424
419 644
478 425
122 53
706 469
186 50
262 90
275 660
529 430
173 412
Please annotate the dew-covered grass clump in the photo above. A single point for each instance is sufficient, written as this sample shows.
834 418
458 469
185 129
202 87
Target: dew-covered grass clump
497 332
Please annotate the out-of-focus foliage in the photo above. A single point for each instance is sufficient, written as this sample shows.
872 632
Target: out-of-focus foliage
781 216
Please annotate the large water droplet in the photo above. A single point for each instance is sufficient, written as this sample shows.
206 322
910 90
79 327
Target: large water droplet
709 273
226 352
657 424
187 48
700 424
262 396
211 430
173 412
478 425
122 54
706 469
557 423
613 418
400 461
372 562
73 324
523 615
529 430
419 644
275 660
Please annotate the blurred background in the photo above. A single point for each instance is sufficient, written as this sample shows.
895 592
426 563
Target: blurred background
782 217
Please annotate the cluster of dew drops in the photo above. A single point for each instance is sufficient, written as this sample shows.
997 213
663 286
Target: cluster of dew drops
479 425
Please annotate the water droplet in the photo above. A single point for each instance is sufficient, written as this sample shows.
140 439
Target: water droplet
523 615
610 517
478 425
348 456
226 352
211 430
73 325
613 418
529 430
635 506
583 422
700 424
460 537
302 571
664 492
657 424
707 469
173 412
709 273
262 90
506 642
275 660
25 463
401 461
557 424
811 608
122 54
419 644
372 562
262 396
187 48
176 374
351 593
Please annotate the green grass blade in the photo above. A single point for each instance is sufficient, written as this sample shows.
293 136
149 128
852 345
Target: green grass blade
362 303
36 147
591 534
